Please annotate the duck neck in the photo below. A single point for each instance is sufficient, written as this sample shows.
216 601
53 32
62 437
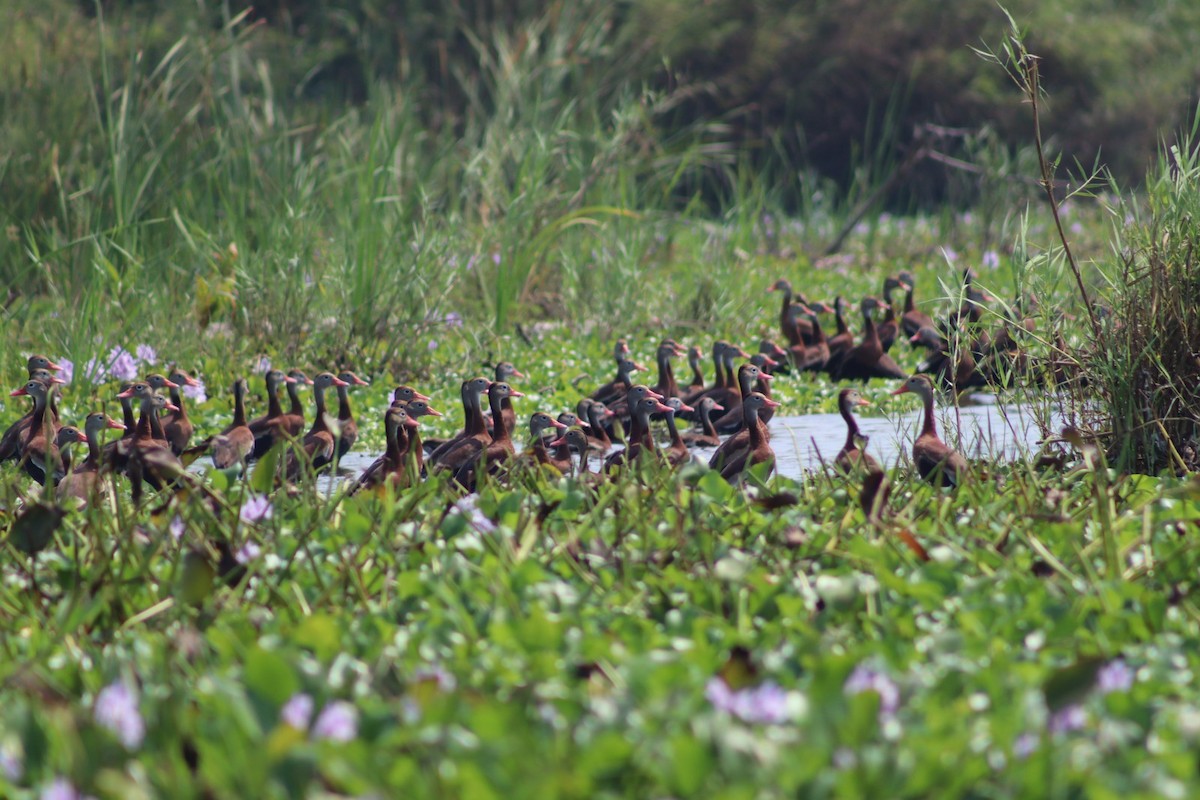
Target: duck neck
274 409
851 426
643 436
706 423
499 429
145 426
697 378
344 412
392 446
127 415
177 400
870 335
718 369
598 431
818 334
929 428
750 417
296 408
319 399
745 383
842 327
239 408
673 429
666 376
93 440
474 413
908 300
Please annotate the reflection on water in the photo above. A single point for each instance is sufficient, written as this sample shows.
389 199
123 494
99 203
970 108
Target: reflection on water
983 430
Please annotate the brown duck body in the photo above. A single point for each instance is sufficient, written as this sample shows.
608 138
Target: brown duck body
483 451
236 444
474 426
936 461
275 425
912 320
707 436
83 483
853 455
737 444
868 360
759 450
178 427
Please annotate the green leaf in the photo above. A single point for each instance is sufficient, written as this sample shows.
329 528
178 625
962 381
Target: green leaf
262 480
35 527
269 674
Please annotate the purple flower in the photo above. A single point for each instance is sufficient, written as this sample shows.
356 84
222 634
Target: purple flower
337 722
67 373
445 681
991 259
116 709
1067 719
950 253
95 371
256 509
61 789
1077 228
297 711
176 528
496 258
11 767
469 507
1025 745
122 364
865 679
263 365
1115 676
247 553
765 704
146 354
432 345
454 320
471 262
197 393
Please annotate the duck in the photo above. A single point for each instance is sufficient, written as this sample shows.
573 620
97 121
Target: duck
636 431
723 355
504 373
598 417
144 457
610 391
936 461
14 437
889 329
474 426
275 425
853 455
36 447
750 377
759 451
36 362
644 442
813 357
318 447
234 446
953 374
347 426
82 483
912 320
575 440
667 386
614 398
780 357
707 436
867 360
475 453
677 452
542 429
794 331
739 441
402 395
177 426
158 382
842 340
414 452
295 404
394 466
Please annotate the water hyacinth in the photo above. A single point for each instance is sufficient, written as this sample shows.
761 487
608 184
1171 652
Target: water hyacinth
176 528
865 679
454 320
991 259
1067 719
765 704
67 373
1115 676
62 789
247 553
11 767
197 393
262 366
337 722
469 508
121 364
256 509
146 354
116 709
297 711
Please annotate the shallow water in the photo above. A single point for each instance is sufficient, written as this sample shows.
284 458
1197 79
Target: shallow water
984 430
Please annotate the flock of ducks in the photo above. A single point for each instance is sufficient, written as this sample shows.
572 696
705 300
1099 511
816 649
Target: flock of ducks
155 444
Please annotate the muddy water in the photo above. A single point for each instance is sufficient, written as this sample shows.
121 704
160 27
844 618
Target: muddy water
984 430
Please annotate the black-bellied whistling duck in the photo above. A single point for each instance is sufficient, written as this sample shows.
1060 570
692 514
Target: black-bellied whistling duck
694 357
707 437
275 424
912 320
666 385
677 452
936 461
718 359
474 426
615 392
952 374
403 395
395 466
890 327
144 457
759 451
295 404
634 431
777 354
605 392
575 440
347 426
414 453
853 455
543 428
867 360
733 418
737 444
319 446
842 340
235 445
468 449
813 357
36 448
474 454
794 331
83 483
641 444
597 433
505 372
18 432
177 426
37 362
